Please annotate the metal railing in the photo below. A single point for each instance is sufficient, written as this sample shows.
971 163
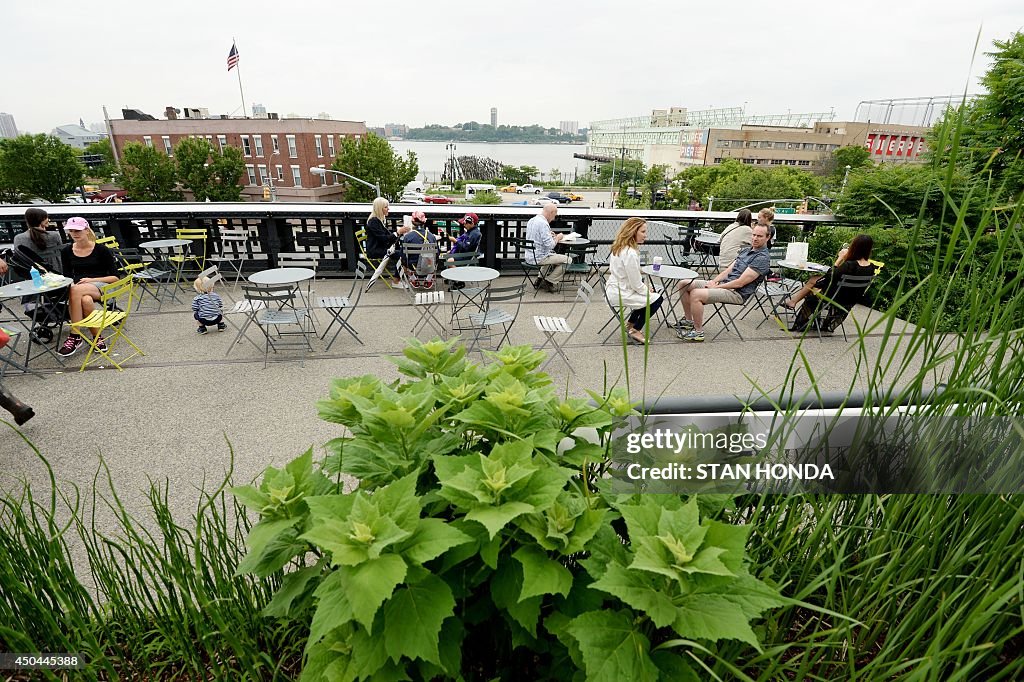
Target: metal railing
327 230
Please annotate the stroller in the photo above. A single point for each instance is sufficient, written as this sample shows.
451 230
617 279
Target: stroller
52 306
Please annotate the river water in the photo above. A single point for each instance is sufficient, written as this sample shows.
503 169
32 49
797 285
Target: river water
432 155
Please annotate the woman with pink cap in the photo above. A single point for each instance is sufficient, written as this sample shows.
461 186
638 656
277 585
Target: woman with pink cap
90 267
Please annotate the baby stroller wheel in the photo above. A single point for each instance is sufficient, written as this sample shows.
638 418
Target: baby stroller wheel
42 335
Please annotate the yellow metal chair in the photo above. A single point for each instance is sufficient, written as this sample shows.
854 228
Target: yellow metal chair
372 262
188 253
106 318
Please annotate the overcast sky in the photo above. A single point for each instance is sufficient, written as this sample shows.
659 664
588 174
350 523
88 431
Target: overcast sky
447 62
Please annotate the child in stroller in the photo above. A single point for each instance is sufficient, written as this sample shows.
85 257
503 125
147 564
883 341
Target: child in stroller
421 269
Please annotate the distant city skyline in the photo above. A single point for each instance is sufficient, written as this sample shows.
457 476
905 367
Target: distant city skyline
771 57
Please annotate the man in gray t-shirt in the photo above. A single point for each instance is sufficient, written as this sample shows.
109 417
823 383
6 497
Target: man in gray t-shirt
731 287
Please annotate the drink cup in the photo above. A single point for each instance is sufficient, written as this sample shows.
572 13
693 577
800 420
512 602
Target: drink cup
656 263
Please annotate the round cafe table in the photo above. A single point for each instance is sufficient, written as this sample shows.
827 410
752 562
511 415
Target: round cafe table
170 245
17 290
668 273
282 276
471 273
474 296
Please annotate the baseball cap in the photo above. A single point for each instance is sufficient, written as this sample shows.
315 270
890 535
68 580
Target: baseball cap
470 218
419 216
76 223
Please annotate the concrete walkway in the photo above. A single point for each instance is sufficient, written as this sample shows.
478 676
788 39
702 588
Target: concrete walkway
171 414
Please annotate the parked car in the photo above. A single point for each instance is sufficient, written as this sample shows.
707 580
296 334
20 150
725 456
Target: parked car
412 196
574 196
559 197
509 188
528 189
438 199
544 201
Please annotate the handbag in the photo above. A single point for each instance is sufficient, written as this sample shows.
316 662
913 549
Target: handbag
5 338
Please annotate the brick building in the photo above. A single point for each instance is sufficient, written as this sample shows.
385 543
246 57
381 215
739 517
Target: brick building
277 152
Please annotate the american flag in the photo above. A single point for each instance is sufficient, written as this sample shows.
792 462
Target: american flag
232 57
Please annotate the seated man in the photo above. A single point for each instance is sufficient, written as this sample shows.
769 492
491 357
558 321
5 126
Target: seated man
734 286
552 265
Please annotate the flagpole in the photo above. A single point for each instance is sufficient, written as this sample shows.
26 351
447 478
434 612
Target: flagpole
245 112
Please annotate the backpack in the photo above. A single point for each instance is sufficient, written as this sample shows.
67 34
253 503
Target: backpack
426 264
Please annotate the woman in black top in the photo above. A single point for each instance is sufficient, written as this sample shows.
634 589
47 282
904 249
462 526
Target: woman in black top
853 260
379 238
90 266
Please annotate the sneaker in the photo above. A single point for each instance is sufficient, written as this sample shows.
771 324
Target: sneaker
684 324
201 330
692 336
221 326
71 346
101 344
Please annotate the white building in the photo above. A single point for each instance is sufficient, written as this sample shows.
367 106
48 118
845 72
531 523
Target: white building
7 127
75 135
569 127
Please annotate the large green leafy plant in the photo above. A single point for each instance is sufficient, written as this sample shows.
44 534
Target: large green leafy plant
481 543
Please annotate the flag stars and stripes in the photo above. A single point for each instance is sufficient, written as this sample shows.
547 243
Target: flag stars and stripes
233 57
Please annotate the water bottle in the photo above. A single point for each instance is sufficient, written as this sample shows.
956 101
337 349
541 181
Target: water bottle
37 280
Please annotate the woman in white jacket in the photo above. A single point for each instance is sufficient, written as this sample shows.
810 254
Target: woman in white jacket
625 286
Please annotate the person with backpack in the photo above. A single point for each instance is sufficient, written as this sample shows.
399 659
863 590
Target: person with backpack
420 268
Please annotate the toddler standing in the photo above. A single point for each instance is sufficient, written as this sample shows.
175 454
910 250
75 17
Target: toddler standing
207 307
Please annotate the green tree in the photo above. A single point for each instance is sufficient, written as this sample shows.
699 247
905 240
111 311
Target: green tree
895 194
372 159
625 171
209 174
102 148
993 131
38 166
530 172
148 174
833 167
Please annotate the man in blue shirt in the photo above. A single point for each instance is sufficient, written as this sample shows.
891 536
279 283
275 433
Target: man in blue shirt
552 265
732 287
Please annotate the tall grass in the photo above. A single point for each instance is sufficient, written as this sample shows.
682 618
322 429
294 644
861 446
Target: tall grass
919 587
164 601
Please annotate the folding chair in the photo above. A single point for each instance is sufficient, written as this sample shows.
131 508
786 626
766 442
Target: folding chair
553 327
372 262
275 315
301 259
426 302
835 307
248 309
106 318
531 272
340 308
232 249
581 268
721 310
618 314
494 316
188 253
216 276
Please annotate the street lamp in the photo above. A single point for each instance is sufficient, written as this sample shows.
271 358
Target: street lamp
270 176
317 170
842 190
450 148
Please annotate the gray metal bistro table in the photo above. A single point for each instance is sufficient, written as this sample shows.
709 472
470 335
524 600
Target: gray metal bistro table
279 276
474 296
157 246
11 294
790 287
668 274
705 244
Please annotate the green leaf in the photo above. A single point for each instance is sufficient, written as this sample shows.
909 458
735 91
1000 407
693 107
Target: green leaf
712 617
413 618
496 518
369 584
431 539
251 497
272 544
506 586
613 649
674 667
399 501
293 586
640 591
541 574
489 552
707 561
733 539
332 610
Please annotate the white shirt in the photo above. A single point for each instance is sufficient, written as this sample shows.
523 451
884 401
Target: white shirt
538 231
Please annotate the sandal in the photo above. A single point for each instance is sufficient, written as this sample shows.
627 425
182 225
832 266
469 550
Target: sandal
637 341
788 304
